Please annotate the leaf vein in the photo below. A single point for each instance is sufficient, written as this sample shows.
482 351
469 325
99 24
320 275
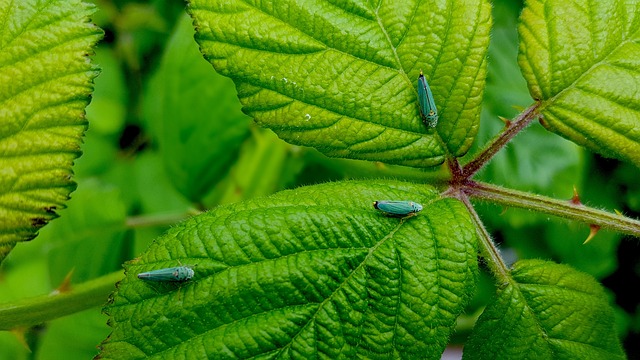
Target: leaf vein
459 73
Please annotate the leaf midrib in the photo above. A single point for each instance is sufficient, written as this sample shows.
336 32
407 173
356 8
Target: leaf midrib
346 280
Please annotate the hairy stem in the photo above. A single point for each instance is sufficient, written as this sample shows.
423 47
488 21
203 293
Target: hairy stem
488 248
512 129
39 309
563 208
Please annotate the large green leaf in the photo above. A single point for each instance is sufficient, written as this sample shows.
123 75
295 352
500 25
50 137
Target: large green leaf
549 311
341 75
538 161
581 60
314 272
45 84
195 116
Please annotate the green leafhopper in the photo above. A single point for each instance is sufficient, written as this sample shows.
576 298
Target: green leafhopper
428 108
174 274
397 208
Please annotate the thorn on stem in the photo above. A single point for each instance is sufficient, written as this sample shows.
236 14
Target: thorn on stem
592 233
506 121
19 333
65 285
575 200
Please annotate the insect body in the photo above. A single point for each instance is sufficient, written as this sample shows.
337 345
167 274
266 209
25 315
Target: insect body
427 105
174 274
398 208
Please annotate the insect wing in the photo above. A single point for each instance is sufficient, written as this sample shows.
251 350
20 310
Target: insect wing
428 108
180 273
397 208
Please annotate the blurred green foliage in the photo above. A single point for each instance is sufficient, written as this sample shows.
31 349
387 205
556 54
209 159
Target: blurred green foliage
156 151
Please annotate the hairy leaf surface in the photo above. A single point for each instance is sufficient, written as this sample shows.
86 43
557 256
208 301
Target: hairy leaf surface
549 311
581 61
45 84
341 76
314 272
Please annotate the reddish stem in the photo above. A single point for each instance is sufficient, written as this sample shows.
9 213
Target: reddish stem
511 130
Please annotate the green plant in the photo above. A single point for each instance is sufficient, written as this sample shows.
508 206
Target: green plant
314 271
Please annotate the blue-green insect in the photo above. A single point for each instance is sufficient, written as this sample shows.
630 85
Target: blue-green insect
428 108
398 208
174 274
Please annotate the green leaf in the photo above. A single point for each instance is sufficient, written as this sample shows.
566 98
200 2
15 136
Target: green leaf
342 76
45 84
258 170
195 116
306 273
10 348
544 163
548 311
581 60
144 179
73 337
320 168
89 237
108 109
565 241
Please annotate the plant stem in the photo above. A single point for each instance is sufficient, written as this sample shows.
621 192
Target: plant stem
156 219
512 129
39 309
563 208
488 248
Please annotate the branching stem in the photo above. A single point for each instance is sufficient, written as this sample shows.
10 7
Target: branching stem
462 187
